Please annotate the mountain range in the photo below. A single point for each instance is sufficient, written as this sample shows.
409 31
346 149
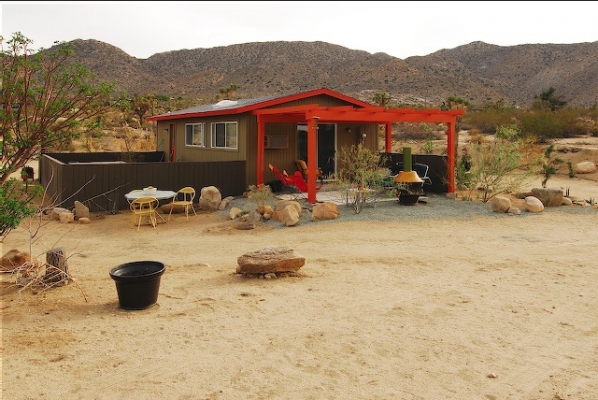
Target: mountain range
478 71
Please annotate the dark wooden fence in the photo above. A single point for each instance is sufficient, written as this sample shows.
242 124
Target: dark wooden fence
437 169
102 187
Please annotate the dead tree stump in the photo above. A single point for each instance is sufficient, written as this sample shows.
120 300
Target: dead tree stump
57 269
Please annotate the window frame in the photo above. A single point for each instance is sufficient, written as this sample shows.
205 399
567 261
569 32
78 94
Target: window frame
202 136
213 130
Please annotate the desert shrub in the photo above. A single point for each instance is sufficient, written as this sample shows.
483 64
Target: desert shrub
488 121
544 125
510 132
498 167
361 174
420 131
259 194
477 139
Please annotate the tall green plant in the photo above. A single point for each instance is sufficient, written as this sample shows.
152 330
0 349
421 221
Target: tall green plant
361 174
550 164
498 167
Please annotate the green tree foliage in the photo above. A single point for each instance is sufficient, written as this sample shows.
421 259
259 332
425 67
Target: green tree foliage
45 100
549 100
15 204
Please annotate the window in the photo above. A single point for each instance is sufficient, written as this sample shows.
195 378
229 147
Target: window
194 135
225 135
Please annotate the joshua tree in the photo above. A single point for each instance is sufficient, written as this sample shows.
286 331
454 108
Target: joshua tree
548 100
229 92
381 99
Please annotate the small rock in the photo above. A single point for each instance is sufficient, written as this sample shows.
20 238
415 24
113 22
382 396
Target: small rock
325 211
492 376
289 216
261 277
267 216
271 275
210 198
67 217
548 196
267 276
264 210
586 167
84 221
501 204
424 200
81 211
534 205
451 196
567 201
270 260
234 212
514 211
56 213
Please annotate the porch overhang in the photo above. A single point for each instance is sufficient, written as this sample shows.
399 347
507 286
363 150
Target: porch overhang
314 114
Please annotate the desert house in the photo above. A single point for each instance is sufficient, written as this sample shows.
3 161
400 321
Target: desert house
277 130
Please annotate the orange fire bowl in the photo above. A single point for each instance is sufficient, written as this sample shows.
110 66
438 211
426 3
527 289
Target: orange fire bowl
408 177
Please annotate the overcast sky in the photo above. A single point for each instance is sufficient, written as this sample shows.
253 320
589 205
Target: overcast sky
401 29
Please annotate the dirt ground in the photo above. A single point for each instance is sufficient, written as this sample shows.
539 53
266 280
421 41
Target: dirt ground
479 307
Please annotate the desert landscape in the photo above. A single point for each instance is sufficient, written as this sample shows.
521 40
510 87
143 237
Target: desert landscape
443 300
276 200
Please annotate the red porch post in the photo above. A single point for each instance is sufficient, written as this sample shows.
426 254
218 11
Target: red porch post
388 138
312 128
450 151
261 129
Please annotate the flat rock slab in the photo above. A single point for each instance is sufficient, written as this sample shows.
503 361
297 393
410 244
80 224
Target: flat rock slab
270 260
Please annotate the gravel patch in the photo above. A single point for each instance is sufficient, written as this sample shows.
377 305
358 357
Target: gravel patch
439 207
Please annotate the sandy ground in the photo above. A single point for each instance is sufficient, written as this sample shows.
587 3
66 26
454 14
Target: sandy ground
405 308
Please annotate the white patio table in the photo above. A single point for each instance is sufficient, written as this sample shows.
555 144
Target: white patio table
160 195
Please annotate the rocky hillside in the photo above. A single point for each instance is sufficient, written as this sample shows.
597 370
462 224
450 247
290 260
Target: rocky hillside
478 71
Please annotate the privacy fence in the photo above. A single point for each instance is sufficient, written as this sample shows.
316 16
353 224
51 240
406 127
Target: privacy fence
101 180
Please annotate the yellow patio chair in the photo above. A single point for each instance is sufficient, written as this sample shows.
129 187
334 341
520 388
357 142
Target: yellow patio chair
144 207
188 194
133 192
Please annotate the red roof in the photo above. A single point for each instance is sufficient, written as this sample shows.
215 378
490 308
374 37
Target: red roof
267 102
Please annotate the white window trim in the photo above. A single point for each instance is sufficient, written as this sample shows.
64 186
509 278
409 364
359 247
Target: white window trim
203 135
213 129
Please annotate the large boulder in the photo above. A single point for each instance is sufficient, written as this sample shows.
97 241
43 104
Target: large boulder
534 205
15 258
270 260
501 204
325 211
56 211
67 217
289 216
548 196
210 198
281 205
81 211
586 167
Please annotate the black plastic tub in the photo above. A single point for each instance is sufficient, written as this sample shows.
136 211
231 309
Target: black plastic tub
137 283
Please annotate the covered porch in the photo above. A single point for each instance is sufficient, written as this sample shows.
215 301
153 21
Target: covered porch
312 115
